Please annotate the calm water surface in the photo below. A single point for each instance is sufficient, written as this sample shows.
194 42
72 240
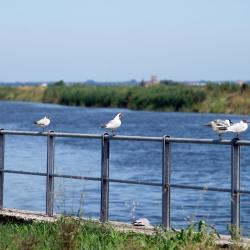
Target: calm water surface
206 165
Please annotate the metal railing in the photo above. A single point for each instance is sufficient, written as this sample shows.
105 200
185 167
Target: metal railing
166 185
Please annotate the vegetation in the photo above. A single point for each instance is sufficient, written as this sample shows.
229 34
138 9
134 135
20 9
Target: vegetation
22 93
168 96
73 234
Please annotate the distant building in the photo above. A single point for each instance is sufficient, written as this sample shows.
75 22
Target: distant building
153 81
197 83
44 84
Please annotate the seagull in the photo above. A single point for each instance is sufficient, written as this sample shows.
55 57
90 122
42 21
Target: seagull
220 126
238 127
44 122
114 124
142 222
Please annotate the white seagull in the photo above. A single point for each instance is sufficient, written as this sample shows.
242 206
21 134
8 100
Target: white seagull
220 126
44 122
142 222
114 124
238 127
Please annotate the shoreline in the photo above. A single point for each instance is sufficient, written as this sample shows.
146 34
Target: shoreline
28 217
218 99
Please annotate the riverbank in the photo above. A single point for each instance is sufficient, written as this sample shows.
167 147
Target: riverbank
23 230
211 98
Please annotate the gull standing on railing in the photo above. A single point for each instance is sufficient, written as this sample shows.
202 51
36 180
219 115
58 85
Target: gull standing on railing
44 122
114 124
238 127
220 126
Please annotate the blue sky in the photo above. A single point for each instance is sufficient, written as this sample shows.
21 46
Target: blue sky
76 40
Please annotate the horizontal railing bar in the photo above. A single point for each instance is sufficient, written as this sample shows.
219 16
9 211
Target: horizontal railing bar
183 186
243 191
135 182
52 133
198 141
175 140
77 177
180 140
29 133
172 185
242 143
128 138
172 139
226 190
23 172
77 135
135 138
138 182
54 175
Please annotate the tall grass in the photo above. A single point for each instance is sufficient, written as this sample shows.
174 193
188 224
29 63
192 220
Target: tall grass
134 97
73 234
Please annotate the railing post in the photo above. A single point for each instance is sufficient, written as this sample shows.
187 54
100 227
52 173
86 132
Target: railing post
166 173
2 146
50 172
104 214
235 187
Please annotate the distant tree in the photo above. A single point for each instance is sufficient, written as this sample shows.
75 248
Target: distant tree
59 83
168 82
244 87
142 83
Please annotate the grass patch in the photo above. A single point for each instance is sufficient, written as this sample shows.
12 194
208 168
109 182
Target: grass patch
71 234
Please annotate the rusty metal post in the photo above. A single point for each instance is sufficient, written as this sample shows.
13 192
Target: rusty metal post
2 147
235 186
50 172
166 173
104 213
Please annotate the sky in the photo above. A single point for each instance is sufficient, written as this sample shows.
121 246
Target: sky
115 40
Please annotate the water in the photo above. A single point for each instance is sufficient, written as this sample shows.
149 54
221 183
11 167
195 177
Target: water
206 165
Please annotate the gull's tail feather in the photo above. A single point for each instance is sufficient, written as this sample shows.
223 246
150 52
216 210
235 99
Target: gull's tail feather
207 125
103 126
35 122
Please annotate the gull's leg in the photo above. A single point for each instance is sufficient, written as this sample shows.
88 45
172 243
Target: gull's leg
113 132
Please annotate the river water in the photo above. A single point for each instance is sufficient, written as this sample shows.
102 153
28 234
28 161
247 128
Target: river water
205 165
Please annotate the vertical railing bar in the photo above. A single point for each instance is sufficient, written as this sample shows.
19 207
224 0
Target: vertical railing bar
50 172
104 213
235 187
166 174
2 149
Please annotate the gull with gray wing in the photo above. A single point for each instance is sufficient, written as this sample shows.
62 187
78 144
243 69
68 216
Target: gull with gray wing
220 126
